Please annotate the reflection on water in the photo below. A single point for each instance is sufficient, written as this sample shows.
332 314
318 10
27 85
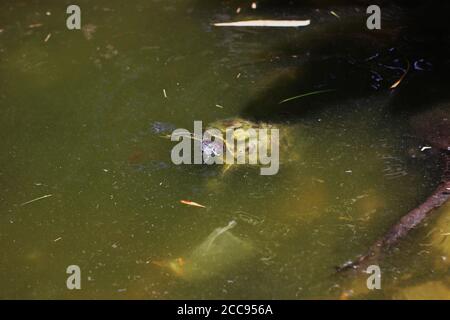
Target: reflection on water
82 118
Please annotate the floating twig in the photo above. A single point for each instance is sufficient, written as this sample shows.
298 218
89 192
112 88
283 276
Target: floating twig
265 23
35 25
335 14
191 203
305 95
39 198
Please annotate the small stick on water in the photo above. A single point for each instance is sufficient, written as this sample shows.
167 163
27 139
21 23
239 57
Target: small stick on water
265 23
335 14
192 203
35 25
40 198
305 95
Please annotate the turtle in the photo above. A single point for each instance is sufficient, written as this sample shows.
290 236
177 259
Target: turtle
219 144
215 143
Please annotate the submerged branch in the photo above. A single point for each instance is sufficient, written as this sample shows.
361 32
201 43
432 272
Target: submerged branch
408 222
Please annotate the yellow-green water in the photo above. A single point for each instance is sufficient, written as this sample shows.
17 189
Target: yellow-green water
76 116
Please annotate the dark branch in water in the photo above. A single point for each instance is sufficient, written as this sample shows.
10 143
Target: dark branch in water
408 222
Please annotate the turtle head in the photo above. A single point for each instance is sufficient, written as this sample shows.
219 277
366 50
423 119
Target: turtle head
210 149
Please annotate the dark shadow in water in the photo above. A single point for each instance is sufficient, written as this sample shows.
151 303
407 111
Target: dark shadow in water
341 54
359 64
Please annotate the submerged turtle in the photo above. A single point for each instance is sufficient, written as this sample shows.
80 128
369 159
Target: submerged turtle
239 141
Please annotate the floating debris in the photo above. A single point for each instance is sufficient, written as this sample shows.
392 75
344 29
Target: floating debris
305 95
396 84
35 25
265 23
335 14
192 203
36 199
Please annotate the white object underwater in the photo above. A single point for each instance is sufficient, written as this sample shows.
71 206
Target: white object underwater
216 255
219 231
265 23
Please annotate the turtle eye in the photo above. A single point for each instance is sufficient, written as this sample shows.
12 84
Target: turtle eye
216 151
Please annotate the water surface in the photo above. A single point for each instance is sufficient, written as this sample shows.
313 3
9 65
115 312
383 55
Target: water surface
76 124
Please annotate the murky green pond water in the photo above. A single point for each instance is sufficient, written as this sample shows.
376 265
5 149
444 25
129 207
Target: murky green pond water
77 109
